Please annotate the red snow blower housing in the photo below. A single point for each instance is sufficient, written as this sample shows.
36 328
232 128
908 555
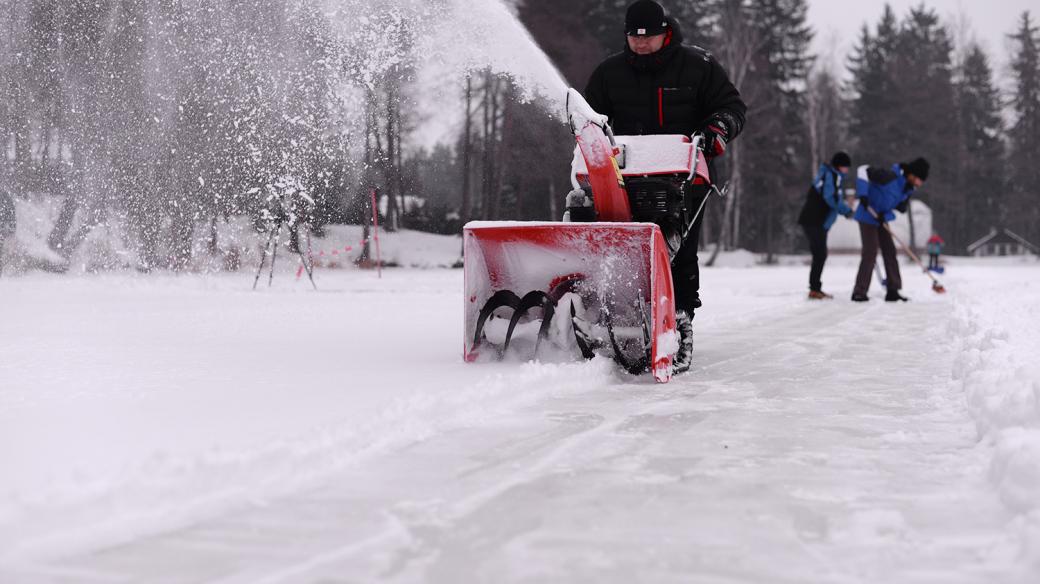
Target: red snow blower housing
600 282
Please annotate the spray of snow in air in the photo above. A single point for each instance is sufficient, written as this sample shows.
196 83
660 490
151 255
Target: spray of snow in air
450 38
181 120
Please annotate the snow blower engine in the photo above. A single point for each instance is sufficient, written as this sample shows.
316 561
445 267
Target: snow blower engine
600 282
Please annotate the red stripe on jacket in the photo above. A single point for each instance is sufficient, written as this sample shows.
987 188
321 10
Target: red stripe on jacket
660 106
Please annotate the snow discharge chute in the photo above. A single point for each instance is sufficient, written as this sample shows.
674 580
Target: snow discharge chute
600 282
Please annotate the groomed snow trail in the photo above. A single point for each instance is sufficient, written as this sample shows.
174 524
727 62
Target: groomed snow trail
811 443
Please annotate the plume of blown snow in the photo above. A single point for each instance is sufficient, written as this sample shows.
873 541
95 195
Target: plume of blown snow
448 39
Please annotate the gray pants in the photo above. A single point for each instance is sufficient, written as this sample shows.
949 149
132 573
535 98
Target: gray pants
874 237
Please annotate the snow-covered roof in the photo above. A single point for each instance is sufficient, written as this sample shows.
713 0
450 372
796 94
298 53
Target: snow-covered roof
1002 236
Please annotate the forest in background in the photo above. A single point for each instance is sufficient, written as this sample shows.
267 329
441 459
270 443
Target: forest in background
170 116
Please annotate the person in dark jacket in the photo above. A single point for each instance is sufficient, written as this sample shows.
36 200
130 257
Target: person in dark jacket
658 85
823 203
882 191
7 222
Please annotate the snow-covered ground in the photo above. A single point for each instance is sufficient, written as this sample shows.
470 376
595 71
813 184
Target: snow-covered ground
239 245
185 429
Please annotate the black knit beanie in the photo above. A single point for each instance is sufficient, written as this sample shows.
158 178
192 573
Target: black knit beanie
918 168
645 18
841 159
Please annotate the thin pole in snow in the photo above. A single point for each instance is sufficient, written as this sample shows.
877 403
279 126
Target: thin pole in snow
375 233
274 253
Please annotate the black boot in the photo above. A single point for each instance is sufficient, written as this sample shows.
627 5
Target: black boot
860 298
684 326
894 296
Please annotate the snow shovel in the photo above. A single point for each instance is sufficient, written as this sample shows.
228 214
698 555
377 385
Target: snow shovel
880 275
937 286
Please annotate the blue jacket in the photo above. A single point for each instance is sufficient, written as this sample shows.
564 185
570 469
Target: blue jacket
884 190
828 183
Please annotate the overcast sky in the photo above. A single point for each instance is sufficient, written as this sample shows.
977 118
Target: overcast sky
837 22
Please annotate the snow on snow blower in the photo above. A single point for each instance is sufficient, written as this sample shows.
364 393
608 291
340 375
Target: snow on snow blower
600 282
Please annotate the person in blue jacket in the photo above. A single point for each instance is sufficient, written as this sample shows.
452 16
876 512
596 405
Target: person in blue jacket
882 191
823 203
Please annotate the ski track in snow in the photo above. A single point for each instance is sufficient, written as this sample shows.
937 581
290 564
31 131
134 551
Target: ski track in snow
823 442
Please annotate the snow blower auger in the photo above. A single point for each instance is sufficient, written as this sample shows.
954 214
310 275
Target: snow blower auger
600 282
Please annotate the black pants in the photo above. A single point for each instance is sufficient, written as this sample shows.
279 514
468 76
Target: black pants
933 261
875 238
686 269
817 237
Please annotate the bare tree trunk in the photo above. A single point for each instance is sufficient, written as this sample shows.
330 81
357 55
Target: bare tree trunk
213 244
399 162
501 121
486 167
63 224
67 215
554 204
737 205
770 242
727 216
183 228
728 222
467 152
365 257
22 147
737 50
393 212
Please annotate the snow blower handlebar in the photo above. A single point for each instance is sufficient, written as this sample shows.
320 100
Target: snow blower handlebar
698 140
936 285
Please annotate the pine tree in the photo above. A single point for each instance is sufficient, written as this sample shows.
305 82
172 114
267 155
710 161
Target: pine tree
903 80
922 83
981 182
873 110
574 40
776 143
1025 135
605 19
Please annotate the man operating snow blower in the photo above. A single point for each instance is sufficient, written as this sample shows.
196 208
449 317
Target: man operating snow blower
601 282
658 85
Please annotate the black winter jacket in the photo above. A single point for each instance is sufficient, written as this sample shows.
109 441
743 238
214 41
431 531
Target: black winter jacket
677 90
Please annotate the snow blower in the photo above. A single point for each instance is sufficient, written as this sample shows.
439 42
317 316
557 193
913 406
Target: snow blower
600 281
937 286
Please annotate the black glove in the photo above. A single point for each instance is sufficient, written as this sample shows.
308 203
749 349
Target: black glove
902 207
849 214
864 202
716 134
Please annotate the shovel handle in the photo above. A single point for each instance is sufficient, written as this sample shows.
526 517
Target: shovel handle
905 247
